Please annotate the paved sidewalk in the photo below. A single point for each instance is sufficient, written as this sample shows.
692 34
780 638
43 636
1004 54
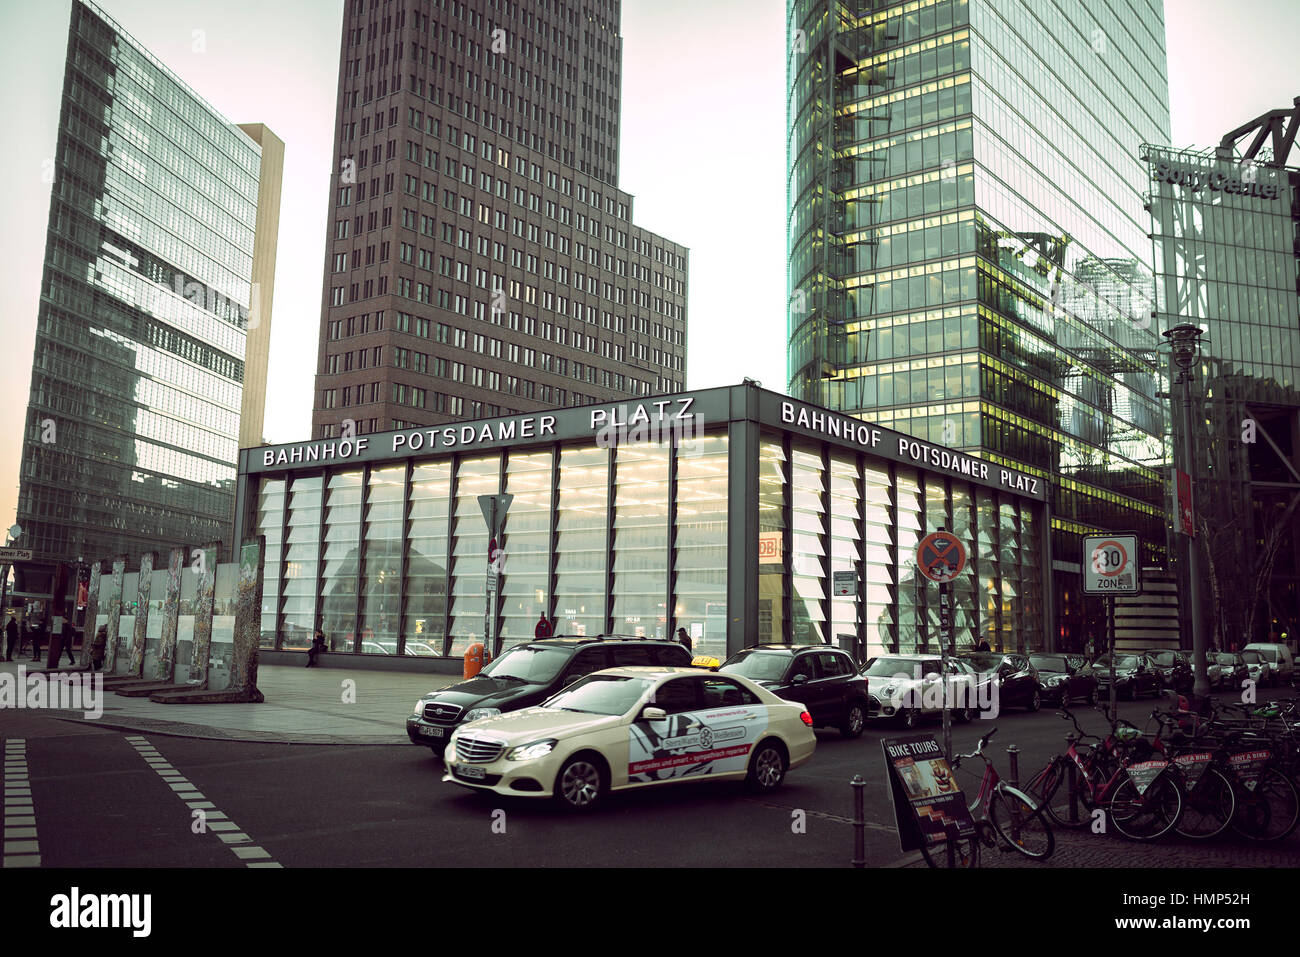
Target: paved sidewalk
302 706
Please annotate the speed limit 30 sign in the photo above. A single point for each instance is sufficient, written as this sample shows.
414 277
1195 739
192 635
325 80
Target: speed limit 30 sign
1110 565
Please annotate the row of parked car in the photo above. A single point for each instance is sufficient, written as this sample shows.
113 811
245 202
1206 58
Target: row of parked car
835 691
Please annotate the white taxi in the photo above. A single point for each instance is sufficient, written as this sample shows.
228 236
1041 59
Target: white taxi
627 728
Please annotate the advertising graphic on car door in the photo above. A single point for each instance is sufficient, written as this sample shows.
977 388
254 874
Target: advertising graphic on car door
711 741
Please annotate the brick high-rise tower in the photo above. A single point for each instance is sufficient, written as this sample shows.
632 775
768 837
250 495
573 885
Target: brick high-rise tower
481 258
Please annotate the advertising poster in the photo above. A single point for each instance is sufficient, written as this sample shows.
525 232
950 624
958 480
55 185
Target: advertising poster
928 804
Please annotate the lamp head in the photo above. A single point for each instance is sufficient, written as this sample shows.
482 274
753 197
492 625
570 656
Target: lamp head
1185 341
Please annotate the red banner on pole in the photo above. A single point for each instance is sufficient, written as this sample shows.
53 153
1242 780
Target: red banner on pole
1186 516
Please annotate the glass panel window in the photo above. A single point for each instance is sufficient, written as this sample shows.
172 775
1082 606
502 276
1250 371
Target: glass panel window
474 477
525 587
381 588
270 505
426 559
641 539
302 563
582 525
771 549
808 540
700 555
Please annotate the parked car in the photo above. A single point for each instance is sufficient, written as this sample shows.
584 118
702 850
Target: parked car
527 675
822 678
1260 672
1226 669
1018 685
1065 678
907 687
1174 668
623 728
1134 675
1280 660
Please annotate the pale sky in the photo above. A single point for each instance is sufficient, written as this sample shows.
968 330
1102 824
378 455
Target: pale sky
703 152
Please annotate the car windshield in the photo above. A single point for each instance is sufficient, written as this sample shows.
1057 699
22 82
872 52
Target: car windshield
1225 659
1251 657
1268 654
600 694
1164 658
984 661
888 667
1048 662
536 665
758 665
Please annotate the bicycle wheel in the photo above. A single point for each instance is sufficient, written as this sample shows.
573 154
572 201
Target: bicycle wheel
1208 807
1149 815
1021 823
966 853
1051 787
1269 811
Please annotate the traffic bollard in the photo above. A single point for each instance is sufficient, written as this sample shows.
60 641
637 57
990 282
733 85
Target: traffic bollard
1013 775
859 823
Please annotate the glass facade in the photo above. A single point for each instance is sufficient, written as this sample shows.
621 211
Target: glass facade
132 430
966 245
1226 235
642 538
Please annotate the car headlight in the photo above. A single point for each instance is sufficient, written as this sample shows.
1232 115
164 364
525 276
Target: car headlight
533 751
482 713
419 707
1055 680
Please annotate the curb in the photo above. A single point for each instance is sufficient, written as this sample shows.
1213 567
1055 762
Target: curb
177 729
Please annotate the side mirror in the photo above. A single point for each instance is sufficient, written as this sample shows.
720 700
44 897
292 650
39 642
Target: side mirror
799 679
651 713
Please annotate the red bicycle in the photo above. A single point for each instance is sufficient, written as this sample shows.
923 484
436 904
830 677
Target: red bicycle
1140 793
1001 813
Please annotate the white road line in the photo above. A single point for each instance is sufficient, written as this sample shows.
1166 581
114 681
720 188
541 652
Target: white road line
21 847
226 830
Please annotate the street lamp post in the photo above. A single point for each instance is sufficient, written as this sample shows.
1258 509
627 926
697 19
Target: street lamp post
1184 341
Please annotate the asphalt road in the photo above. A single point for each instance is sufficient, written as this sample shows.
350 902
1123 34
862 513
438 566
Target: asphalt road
109 798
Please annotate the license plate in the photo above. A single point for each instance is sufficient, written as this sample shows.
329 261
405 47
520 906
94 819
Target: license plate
431 732
471 772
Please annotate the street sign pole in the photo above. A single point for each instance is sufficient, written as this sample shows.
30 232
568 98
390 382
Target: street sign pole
940 557
945 631
1110 631
494 508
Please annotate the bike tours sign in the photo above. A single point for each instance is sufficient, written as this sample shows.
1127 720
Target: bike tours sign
929 807
1110 565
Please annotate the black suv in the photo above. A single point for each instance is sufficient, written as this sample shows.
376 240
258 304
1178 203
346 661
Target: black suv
821 678
1174 668
527 675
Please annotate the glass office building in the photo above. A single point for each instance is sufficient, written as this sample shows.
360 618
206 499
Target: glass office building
726 512
162 224
1226 234
967 245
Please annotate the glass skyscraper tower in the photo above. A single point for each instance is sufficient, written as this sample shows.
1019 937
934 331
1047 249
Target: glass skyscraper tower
154 315
968 247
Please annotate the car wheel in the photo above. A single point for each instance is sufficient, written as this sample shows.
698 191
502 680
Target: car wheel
580 784
766 768
1036 700
855 719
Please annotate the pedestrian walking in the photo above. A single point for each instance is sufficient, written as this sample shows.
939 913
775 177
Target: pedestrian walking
543 628
97 648
684 638
67 646
38 637
317 646
11 638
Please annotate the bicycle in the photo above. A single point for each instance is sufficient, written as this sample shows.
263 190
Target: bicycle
1000 811
1141 795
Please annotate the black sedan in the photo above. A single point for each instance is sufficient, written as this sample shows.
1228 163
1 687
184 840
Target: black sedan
1065 678
1174 668
1012 674
823 679
1134 675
